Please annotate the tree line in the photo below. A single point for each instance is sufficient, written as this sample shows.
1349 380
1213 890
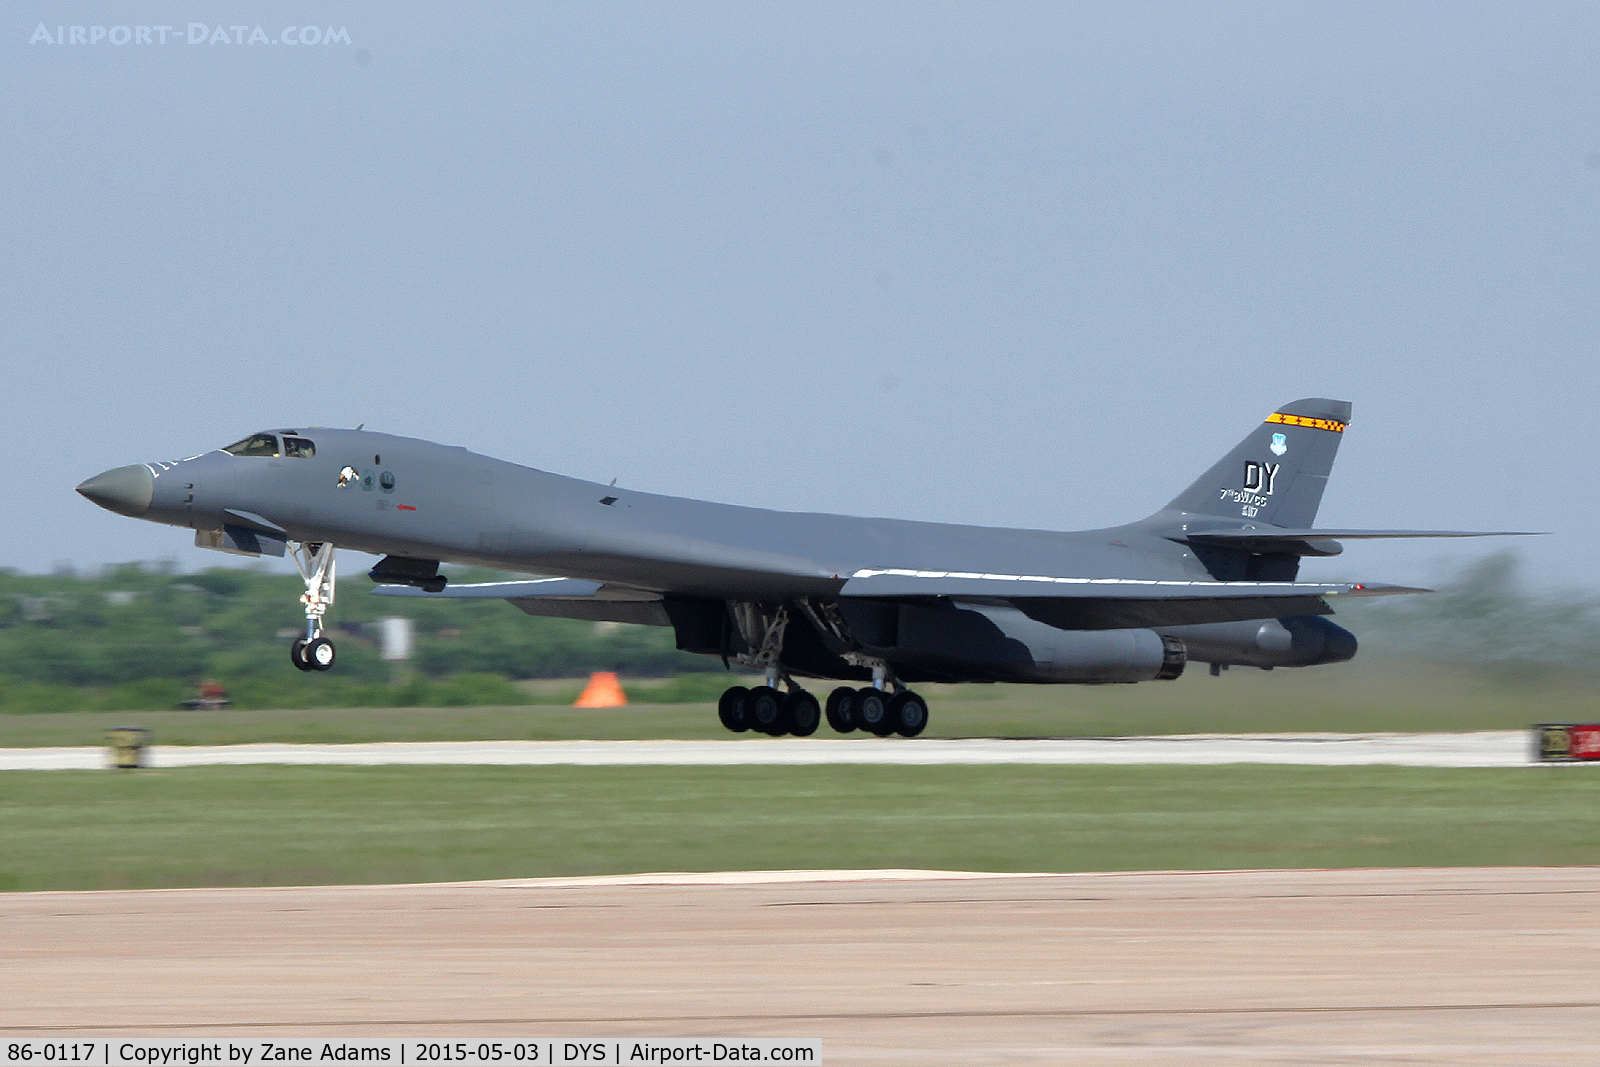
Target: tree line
145 635
142 635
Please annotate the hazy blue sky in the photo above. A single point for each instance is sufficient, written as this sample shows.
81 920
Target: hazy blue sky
1026 264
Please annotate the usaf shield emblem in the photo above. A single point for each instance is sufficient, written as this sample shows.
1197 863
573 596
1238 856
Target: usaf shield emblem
1280 444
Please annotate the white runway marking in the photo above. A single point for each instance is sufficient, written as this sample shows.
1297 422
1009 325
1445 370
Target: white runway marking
1497 748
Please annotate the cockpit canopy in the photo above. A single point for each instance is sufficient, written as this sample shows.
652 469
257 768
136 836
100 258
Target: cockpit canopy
266 444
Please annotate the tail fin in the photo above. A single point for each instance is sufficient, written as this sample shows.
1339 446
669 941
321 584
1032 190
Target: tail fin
1275 475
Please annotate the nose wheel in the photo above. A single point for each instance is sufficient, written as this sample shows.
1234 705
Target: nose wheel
314 655
314 652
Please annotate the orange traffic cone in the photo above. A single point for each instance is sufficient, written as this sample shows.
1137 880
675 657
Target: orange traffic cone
602 692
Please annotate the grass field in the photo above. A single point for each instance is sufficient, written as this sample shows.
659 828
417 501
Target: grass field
1343 698
266 825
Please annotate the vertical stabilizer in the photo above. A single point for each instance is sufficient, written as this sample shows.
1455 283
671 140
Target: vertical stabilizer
1276 474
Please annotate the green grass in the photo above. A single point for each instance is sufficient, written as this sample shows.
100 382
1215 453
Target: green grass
267 825
1345 698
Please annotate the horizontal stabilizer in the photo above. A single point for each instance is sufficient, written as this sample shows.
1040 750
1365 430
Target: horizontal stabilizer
1116 603
1276 534
1320 542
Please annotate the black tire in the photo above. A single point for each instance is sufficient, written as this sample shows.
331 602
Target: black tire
297 654
872 712
763 710
319 654
841 709
731 708
909 713
802 713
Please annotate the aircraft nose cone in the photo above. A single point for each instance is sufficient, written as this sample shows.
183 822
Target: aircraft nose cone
125 490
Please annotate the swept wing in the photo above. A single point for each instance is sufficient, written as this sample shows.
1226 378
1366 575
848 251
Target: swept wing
1115 603
1067 603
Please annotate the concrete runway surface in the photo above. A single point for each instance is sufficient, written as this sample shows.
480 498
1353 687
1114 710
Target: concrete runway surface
1495 748
1449 967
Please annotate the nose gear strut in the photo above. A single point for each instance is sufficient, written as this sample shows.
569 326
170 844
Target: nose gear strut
314 561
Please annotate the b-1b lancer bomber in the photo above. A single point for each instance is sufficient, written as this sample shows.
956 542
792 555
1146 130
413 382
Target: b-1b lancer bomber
879 603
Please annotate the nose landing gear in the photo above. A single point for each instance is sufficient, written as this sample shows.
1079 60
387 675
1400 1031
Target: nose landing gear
316 654
314 561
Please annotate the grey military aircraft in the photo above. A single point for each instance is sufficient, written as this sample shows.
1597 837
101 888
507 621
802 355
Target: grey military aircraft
881 603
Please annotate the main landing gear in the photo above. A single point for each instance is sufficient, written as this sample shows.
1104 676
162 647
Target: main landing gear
876 711
314 652
765 709
885 707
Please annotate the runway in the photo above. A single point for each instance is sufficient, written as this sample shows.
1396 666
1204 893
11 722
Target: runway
1446 967
1500 748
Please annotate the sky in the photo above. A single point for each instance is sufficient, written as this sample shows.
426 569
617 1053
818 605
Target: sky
1006 264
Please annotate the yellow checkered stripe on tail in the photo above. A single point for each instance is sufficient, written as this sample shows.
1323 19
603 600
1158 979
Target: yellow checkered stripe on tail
1301 420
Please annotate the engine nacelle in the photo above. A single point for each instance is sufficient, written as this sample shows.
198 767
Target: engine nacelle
984 642
1299 641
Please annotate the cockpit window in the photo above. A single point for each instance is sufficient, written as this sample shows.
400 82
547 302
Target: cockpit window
262 444
298 448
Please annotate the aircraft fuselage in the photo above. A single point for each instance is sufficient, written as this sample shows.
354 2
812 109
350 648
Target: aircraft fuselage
1212 576
423 500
